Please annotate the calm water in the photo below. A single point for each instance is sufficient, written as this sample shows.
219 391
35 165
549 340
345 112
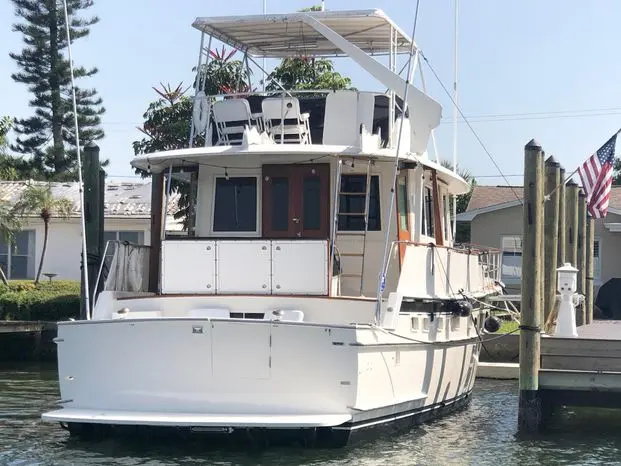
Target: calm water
481 434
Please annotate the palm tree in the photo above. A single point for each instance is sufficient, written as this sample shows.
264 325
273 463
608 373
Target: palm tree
38 199
9 225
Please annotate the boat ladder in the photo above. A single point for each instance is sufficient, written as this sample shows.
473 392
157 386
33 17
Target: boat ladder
343 235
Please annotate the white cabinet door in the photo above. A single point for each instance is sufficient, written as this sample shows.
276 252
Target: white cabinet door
244 267
189 267
300 267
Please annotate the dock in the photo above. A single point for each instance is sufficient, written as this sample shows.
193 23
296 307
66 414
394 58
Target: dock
582 371
27 341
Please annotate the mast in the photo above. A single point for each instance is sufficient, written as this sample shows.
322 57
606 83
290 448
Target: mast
87 305
455 116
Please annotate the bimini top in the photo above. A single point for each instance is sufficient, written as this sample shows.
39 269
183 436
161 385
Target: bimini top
286 35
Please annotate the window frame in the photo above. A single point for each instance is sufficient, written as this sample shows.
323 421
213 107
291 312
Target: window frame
30 256
257 220
379 204
597 271
116 238
511 280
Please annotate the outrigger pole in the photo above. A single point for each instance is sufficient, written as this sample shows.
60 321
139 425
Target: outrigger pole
80 180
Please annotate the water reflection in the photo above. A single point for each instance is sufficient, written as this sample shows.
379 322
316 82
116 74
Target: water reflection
482 434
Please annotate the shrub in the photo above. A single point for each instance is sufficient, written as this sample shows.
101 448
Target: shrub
52 301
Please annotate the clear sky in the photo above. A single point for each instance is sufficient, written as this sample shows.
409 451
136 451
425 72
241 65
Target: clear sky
530 69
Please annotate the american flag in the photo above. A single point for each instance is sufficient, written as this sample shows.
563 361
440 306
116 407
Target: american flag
596 176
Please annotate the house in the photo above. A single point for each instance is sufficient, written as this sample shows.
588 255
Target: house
127 217
495 217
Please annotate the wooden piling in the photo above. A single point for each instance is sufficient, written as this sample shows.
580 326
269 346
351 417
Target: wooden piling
571 218
581 247
562 230
590 243
157 207
529 409
93 204
551 233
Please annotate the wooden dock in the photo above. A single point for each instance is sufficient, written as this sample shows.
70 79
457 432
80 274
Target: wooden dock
583 371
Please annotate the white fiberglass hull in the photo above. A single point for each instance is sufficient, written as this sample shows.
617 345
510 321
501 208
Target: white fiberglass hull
239 374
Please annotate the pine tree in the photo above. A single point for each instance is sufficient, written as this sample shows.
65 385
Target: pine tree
48 136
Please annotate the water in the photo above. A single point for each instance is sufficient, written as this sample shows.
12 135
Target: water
481 434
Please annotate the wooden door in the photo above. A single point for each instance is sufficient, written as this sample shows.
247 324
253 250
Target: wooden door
403 228
296 200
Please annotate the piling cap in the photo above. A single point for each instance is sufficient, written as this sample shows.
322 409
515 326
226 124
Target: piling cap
581 193
572 183
551 162
533 145
90 145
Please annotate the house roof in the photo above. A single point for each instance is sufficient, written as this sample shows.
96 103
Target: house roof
122 199
491 198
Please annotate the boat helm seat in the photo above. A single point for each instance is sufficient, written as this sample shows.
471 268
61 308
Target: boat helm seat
289 315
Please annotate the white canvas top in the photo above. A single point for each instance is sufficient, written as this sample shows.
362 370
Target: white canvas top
286 35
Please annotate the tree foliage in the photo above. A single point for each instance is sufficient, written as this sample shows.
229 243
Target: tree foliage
39 200
48 136
306 73
166 127
224 74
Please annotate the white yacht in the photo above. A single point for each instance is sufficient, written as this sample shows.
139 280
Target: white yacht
317 290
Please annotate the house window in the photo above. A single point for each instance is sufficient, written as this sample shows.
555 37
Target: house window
428 212
17 258
511 247
597 265
134 237
235 204
352 203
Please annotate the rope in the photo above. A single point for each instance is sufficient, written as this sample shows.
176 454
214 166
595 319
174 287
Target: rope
471 128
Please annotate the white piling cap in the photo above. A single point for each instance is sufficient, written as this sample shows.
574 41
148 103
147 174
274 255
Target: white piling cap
567 267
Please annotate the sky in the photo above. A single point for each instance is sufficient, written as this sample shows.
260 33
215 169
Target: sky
530 69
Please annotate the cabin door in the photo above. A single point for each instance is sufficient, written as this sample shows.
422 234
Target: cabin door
296 200
403 228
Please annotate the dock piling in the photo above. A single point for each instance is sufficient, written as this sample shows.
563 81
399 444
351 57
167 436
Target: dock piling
529 409
582 254
562 230
551 233
588 271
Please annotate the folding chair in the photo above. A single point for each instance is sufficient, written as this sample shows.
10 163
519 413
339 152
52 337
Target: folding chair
231 116
284 121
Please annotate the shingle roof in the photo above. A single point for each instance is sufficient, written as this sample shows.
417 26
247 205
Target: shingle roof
122 199
487 196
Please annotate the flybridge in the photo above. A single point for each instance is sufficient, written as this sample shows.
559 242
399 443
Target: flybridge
285 35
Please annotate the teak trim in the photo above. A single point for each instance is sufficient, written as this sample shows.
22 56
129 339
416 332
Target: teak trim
437 220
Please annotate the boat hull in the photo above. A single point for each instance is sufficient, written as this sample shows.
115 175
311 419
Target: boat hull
324 385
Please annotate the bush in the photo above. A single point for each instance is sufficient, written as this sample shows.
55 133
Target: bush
23 300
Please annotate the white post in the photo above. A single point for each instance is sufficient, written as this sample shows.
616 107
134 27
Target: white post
455 117
566 319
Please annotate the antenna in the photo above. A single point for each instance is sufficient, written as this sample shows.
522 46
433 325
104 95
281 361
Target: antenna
455 117
80 181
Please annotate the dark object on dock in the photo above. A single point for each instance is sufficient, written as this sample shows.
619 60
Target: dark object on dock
492 324
609 299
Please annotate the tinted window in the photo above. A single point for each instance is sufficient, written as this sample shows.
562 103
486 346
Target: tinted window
280 203
311 197
352 202
235 205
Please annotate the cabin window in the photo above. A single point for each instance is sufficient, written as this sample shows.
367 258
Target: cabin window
428 229
235 204
597 265
402 203
134 237
511 247
17 259
352 203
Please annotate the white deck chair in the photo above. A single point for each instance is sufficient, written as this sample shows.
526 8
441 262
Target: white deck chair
282 118
230 117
